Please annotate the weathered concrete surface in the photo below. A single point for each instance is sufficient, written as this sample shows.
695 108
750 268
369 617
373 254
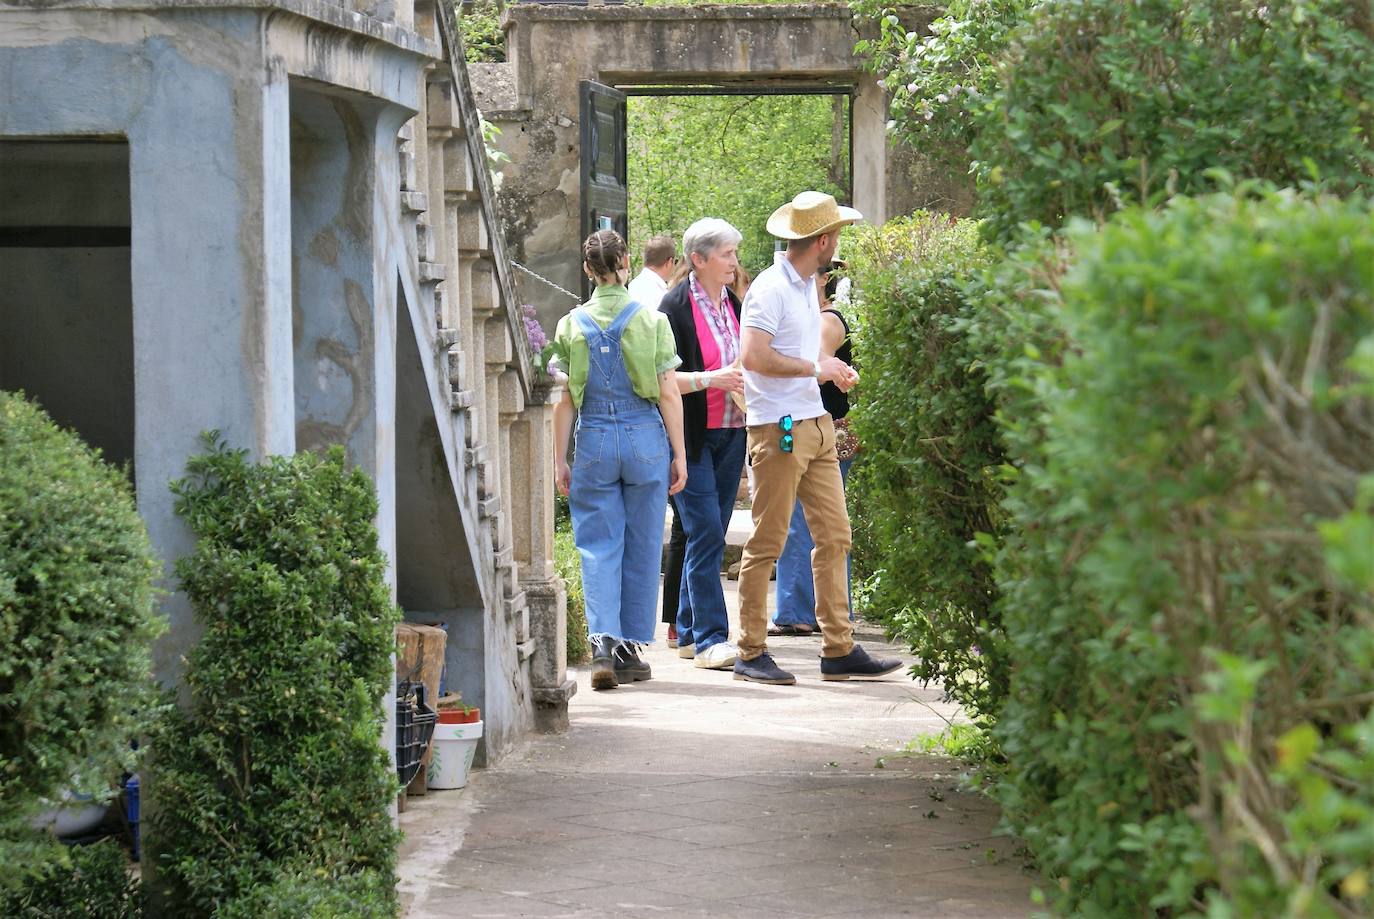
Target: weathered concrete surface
294 184
697 795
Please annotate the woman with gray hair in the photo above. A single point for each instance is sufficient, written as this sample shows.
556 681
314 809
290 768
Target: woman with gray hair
704 315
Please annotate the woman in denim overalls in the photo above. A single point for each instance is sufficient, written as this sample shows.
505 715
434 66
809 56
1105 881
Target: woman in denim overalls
619 357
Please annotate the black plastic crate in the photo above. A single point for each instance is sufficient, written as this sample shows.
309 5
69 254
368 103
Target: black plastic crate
414 728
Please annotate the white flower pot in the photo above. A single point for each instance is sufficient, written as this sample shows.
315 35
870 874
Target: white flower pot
454 747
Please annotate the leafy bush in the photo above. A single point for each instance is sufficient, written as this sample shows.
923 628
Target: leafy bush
84 882
1081 108
940 80
303 895
479 22
962 741
927 483
568 565
274 769
77 618
1189 727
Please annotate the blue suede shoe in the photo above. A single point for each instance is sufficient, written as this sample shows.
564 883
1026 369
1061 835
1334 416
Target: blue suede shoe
857 665
762 670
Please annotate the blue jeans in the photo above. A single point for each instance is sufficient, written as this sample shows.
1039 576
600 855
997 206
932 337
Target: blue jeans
618 501
704 507
796 590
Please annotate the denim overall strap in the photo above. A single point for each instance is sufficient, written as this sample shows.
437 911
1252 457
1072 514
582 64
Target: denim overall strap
608 390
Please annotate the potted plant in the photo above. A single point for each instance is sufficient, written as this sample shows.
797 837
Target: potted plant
453 710
455 743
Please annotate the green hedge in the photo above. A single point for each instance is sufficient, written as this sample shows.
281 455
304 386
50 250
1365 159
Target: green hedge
274 770
926 486
86 882
1187 576
77 618
1064 109
303 894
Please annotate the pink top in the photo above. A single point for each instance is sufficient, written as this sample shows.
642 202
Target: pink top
721 411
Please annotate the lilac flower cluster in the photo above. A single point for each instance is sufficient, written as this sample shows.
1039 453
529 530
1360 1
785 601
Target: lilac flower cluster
533 330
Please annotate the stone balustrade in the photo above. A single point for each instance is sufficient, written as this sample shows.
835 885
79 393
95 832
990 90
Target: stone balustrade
502 408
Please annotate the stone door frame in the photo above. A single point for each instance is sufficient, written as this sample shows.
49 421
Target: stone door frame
646 51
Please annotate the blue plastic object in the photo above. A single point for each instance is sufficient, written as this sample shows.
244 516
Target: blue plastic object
131 808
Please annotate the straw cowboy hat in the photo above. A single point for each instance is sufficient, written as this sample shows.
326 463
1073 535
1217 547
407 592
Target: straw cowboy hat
810 214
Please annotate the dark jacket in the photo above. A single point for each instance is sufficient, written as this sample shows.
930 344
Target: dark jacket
677 306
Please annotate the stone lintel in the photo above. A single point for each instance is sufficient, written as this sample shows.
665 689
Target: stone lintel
519 12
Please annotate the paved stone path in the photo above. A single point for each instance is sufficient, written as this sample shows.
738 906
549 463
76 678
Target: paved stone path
697 795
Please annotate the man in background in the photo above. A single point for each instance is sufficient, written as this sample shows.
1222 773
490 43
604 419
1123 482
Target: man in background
660 258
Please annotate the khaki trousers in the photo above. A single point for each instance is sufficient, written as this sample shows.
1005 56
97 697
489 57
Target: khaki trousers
810 472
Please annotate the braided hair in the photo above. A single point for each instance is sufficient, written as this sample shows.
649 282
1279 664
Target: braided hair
604 255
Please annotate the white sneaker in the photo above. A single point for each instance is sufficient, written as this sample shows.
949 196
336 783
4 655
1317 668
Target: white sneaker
720 656
687 651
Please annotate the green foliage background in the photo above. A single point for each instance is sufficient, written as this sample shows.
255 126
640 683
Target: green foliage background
1188 726
77 619
568 565
82 882
272 792
1182 393
1081 108
479 23
735 157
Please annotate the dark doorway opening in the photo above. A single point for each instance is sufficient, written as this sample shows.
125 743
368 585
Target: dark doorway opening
66 294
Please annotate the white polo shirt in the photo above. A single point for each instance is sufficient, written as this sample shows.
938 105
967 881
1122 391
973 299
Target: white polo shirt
784 304
647 289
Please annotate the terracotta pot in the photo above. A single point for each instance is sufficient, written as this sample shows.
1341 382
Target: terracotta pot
458 716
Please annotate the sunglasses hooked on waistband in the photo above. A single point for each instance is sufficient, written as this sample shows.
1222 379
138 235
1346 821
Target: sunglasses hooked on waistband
785 441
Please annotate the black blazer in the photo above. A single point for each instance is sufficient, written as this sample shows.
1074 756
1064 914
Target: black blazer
677 306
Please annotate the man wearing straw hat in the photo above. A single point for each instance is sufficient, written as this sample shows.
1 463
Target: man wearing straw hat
791 443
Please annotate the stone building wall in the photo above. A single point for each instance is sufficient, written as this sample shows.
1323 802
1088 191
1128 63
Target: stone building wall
311 256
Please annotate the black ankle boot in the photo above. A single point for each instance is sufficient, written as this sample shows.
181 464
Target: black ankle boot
603 662
629 667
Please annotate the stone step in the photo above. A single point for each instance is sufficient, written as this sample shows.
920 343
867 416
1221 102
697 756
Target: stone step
432 272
